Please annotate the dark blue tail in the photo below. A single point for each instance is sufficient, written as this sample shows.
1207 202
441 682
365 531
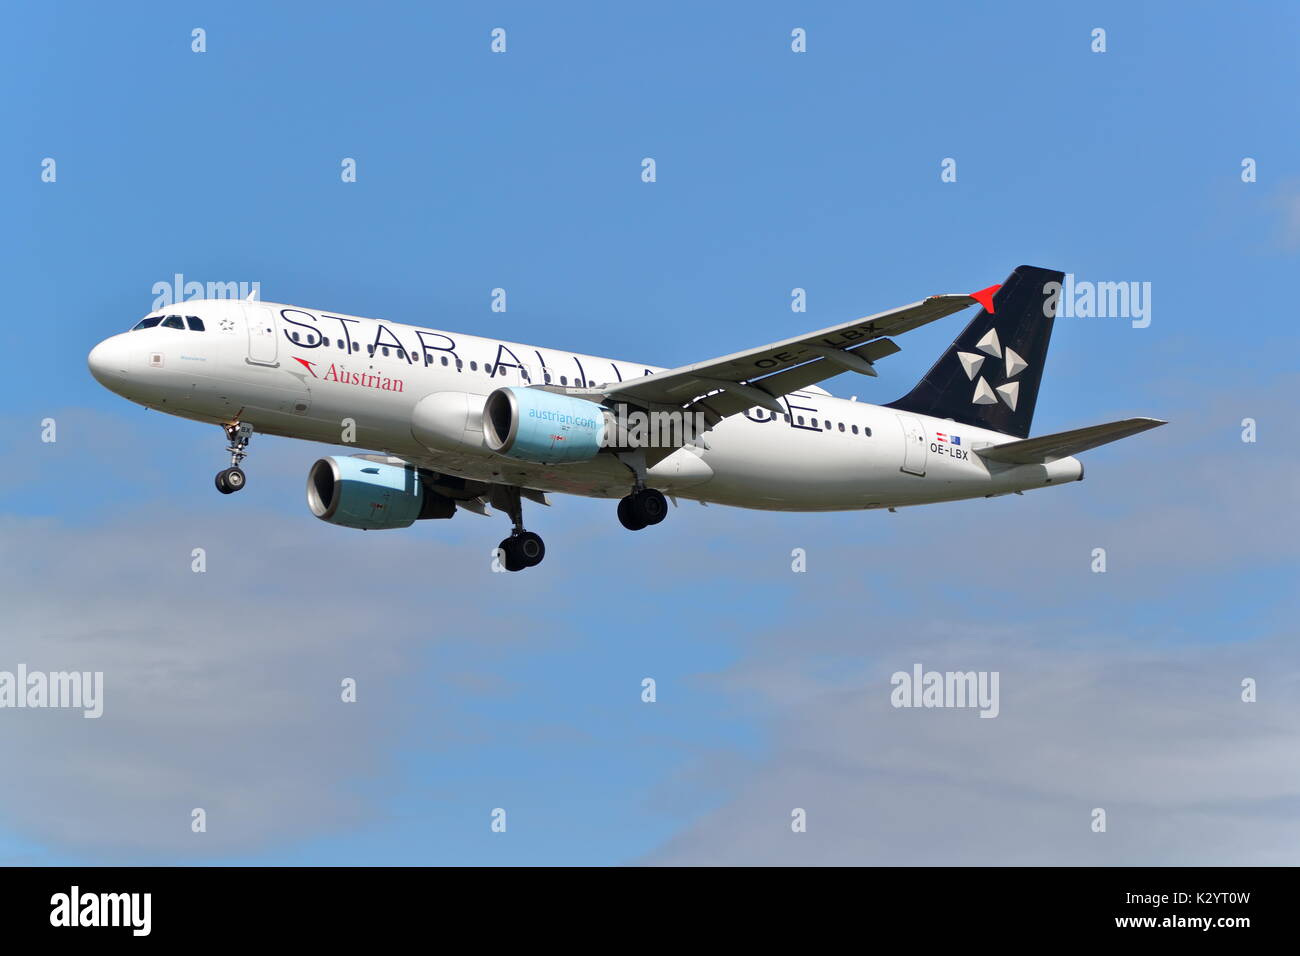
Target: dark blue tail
990 374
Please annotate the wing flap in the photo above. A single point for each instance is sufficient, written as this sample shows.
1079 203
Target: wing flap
727 403
1048 448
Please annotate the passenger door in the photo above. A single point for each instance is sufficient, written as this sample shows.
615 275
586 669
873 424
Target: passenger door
263 339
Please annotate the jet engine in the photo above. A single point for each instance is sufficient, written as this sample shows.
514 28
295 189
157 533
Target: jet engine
358 493
535 425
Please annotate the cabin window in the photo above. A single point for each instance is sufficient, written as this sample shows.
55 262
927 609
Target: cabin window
866 431
196 324
855 429
444 360
488 369
800 419
370 350
173 322
459 365
564 380
814 424
385 348
473 366
841 426
546 375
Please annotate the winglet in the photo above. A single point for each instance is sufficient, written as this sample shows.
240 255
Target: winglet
985 297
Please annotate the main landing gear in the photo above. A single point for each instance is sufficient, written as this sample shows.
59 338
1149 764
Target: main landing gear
523 549
232 479
642 508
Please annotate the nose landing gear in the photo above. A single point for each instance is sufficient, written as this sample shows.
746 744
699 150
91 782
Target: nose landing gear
232 479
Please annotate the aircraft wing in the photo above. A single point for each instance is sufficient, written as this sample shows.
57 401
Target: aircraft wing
759 376
1040 451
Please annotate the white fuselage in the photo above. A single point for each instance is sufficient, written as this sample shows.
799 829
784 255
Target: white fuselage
342 379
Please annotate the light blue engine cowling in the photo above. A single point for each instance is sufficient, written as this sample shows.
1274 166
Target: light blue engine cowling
369 495
535 425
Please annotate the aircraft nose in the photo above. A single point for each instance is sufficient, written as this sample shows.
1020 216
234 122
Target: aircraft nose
108 361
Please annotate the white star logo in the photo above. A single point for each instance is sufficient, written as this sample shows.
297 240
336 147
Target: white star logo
971 362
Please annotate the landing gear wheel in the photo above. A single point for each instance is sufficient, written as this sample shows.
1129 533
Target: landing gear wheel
230 480
531 548
627 516
511 560
524 550
642 508
650 506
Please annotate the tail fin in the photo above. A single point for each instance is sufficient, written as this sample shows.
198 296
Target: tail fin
989 376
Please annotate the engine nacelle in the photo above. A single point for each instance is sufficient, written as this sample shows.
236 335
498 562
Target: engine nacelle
535 425
449 421
357 493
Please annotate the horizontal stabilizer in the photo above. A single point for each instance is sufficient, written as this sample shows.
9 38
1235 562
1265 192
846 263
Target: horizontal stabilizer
1039 451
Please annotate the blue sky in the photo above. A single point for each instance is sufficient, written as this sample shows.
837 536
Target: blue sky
775 170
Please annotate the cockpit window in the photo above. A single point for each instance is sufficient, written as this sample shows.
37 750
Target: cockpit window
196 324
173 322
147 323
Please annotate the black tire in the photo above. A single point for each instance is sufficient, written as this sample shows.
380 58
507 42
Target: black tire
531 548
511 559
235 479
222 486
628 516
650 506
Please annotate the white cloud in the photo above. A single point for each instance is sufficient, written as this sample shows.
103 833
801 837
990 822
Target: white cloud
1118 690
222 689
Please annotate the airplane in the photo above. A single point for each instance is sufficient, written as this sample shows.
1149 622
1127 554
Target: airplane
456 422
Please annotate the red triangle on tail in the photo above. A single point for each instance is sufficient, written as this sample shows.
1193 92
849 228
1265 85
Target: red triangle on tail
985 297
